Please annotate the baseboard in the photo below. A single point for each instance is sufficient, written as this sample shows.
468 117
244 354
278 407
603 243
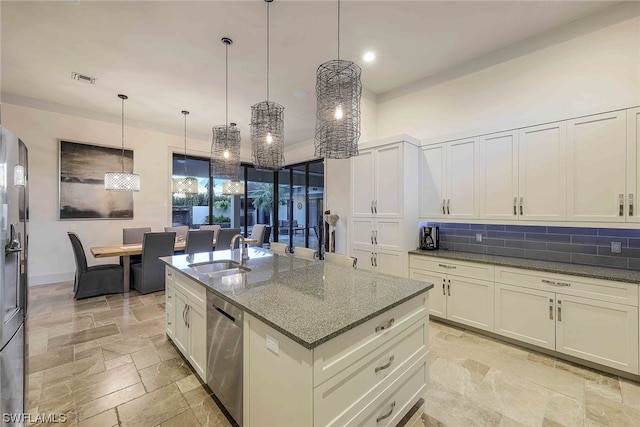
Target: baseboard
47 279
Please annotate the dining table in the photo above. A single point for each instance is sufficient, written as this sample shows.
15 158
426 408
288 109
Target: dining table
125 251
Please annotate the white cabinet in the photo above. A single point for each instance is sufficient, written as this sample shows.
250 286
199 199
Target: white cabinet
383 182
499 176
369 375
633 164
187 318
432 180
458 294
596 160
548 311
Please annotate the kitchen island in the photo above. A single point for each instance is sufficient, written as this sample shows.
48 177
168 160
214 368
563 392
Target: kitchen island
322 344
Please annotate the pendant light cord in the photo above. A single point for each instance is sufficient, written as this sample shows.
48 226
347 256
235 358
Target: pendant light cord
268 53
338 30
185 142
226 95
122 155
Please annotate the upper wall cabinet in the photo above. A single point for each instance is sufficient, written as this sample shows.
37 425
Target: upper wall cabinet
633 164
596 168
449 178
499 176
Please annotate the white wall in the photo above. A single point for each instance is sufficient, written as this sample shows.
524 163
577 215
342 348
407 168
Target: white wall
50 254
568 72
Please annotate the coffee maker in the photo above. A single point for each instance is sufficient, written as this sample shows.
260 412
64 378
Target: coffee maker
429 238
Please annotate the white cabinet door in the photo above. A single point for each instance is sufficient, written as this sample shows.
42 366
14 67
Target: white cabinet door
362 230
365 258
462 172
437 295
197 321
598 331
181 330
390 262
362 183
633 164
389 181
596 175
499 176
542 172
526 315
432 180
388 234
470 301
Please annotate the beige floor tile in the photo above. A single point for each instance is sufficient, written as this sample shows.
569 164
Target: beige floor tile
111 400
87 389
147 328
155 311
126 346
118 361
563 410
120 313
630 392
79 323
188 383
610 412
86 367
187 418
606 387
454 375
509 422
82 354
153 408
205 408
82 336
450 408
164 373
145 358
106 419
57 397
51 359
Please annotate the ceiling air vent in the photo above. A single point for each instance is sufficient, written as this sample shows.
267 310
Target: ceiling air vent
83 78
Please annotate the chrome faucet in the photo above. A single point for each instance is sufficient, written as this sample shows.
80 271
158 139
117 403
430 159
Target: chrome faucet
245 252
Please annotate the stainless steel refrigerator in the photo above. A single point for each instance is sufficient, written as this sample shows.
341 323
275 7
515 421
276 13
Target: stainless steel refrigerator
14 214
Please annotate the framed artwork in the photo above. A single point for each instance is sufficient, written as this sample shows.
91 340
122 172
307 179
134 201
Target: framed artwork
81 186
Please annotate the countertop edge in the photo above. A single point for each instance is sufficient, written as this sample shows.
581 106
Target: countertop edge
519 263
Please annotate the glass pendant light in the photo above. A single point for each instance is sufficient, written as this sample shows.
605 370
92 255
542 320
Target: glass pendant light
338 92
225 147
187 185
267 127
122 181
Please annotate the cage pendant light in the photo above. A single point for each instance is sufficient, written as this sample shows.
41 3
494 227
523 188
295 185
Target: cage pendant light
225 147
338 92
267 127
122 181
186 185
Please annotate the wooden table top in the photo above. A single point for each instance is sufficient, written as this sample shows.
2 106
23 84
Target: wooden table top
136 249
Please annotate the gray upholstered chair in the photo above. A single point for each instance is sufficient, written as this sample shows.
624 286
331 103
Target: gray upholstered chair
199 241
181 231
279 248
214 227
148 276
267 235
257 232
97 280
134 235
306 253
223 242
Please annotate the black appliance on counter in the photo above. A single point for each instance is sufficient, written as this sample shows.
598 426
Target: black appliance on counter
429 238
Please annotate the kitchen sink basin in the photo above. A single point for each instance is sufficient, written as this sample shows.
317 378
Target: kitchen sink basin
219 268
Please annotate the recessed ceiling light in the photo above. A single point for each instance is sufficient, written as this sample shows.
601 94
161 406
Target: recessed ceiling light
369 56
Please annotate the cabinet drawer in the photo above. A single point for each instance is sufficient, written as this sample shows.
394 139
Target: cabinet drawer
459 268
602 290
170 308
355 345
195 292
395 401
357 385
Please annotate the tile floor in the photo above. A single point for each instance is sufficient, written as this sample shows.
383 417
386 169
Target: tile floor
105 361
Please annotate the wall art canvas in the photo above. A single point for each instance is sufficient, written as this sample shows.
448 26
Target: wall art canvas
82 193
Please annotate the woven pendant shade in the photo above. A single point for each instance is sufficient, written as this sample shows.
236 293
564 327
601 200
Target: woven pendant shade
186 185
267 135
233 188
122 181
225 152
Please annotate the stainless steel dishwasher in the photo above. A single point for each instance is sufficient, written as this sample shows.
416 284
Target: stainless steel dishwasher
224 353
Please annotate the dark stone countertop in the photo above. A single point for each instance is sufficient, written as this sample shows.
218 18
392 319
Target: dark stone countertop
311 302
631 276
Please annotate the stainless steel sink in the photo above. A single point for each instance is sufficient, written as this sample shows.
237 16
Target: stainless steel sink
219 268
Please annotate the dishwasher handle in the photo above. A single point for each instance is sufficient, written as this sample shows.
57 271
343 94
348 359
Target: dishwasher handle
224 313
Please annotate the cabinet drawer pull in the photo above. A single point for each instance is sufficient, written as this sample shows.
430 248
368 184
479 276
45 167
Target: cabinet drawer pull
515 202
621 204
372 206
375 237
372 237
449 288
548 282
387 326
388 414
630 204
371 259
168 296
563 284
375 259
443 292
184 315
551 308
559 311
375 206
385 366
447 266
443 210
521 203
448 206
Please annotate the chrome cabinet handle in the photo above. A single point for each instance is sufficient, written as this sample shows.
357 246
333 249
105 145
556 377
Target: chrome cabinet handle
184 315
372 206
443 292
375 206
375 237
385 366
448 206
559 311
630 204
443 210
188 310
521 203
371 259
371 237
388 414
387 326
375 259
447 266
551 308
449 288
552 283
621 203
515 202
168 296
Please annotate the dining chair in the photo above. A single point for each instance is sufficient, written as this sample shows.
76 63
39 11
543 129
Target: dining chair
181 231
148 276
340 259
100 279
257 232
199 241
305 253
225 235
134 235
279 248
214 227
267 235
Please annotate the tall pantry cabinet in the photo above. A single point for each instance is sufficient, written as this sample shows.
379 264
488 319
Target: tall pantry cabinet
384 204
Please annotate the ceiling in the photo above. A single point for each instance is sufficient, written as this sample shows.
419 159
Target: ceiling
167 56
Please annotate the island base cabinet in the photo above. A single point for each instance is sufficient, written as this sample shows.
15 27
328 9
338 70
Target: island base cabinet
181 331
197 349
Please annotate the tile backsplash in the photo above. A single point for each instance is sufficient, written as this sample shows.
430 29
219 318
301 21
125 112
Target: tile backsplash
575 245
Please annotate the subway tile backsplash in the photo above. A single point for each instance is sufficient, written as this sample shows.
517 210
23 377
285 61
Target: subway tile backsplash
575 245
